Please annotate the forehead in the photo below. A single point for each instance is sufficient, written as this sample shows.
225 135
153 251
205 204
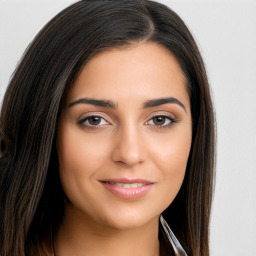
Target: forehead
143 69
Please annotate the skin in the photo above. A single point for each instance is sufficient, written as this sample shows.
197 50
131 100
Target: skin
128 141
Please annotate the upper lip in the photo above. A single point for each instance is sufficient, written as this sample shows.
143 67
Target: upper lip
128 180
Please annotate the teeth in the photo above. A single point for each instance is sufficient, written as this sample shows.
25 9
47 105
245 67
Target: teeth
127 185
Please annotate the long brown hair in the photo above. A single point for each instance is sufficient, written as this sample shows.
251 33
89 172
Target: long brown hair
31 197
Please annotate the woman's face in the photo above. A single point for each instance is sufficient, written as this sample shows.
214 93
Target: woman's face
124 136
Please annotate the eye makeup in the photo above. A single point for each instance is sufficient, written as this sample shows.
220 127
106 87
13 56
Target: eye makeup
97 121
162 121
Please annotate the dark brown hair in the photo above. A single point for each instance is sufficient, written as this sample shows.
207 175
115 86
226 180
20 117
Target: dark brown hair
31 197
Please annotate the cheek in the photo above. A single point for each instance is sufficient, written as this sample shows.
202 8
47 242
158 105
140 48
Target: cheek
79 159
170 157
80 151
173 156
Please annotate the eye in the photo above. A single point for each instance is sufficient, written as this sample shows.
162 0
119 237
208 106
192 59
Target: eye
93 121
162 121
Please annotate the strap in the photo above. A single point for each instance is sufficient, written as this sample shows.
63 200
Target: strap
178 249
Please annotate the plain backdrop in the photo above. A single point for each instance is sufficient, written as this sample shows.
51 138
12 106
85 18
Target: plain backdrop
226 35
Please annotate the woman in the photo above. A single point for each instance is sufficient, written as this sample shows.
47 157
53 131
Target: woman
107 129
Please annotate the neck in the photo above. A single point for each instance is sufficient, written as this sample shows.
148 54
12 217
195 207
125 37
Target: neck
79 235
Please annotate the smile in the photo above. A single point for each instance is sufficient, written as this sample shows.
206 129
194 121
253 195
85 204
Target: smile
128 189
127 185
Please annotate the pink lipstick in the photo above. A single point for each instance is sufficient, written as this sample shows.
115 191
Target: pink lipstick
128 188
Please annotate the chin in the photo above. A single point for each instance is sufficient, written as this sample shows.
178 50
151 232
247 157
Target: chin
127 221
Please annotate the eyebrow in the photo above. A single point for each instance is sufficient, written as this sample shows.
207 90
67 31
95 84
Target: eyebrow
100 103
162 101
111 104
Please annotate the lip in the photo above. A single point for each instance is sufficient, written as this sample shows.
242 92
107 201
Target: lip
128 193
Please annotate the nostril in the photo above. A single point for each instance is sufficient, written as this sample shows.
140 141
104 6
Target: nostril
128 149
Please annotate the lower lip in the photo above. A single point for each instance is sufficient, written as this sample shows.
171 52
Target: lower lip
128 193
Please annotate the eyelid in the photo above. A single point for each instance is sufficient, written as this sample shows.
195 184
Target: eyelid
169 116
85 117
162 113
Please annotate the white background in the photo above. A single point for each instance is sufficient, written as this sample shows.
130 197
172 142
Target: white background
226 34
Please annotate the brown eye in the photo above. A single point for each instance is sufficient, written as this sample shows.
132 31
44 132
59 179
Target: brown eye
93 121
161 121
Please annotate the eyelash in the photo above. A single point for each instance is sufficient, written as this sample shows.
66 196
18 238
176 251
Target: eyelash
82 121
90 126
171 119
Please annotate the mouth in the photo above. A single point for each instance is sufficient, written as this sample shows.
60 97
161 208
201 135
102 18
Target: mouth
125 185
127 188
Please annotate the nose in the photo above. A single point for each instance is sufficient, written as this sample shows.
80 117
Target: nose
129 148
